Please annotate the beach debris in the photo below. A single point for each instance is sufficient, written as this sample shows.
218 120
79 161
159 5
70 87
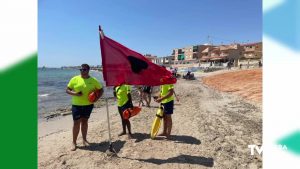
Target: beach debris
65 114
52 116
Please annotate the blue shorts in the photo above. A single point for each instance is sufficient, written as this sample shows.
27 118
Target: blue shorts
168 107
81 111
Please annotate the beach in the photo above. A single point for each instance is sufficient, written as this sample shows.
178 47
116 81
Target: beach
212 128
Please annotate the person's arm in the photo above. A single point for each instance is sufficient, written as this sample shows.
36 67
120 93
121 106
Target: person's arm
114 91
129 93
73 93
98 88
101 91
177 99
129 97
170 93
70 88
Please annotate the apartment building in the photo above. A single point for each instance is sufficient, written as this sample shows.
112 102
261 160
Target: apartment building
166 60
208 52
188 55
150 57
252 51
217 55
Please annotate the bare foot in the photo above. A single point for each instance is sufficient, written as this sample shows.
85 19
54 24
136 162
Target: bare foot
162 134
122 133
73 147
168 137
85 143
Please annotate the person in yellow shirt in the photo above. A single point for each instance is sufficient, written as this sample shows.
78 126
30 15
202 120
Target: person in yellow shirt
79 88
166 99
124 103
129 95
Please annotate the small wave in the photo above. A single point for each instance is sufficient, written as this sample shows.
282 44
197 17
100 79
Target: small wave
43 95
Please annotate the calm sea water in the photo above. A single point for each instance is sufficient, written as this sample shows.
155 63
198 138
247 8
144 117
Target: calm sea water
52 84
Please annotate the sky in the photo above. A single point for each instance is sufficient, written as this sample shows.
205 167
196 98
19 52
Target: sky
68 30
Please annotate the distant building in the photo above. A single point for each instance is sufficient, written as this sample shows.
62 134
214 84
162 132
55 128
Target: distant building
206 53
252 51
222 53
166 60
188 55
211 55
231 53
252 55
152 58
235 53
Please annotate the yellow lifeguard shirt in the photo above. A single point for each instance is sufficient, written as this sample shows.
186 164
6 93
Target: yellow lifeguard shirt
79 84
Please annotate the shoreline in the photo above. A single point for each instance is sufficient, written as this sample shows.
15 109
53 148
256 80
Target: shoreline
66 110
61 120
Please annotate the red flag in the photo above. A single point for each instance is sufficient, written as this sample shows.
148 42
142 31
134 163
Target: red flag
125 66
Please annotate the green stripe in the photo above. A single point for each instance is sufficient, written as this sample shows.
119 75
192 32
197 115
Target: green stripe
18 123
292 142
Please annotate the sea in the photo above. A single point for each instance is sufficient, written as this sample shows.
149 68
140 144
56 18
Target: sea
52 84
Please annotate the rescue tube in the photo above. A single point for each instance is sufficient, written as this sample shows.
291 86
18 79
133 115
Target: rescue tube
93 96
156 123
130 112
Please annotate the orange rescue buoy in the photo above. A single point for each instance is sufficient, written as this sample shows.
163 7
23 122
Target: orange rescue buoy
93 96
130 112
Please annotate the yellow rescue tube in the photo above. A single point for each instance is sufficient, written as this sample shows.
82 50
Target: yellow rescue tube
156 123
130 112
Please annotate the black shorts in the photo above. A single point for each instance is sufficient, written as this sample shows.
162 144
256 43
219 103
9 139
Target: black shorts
168 107
81 111
147 89
124 107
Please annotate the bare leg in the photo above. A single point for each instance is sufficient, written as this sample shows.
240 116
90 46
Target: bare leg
149 98
129 128
76 128
145 98
141 101
169 125
84 129
141 98
164 133
123 125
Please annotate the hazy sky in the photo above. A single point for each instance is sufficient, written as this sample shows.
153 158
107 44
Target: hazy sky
68 29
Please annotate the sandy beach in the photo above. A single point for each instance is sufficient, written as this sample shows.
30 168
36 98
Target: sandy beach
212 128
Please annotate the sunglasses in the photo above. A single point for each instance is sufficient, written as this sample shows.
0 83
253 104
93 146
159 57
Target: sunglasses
83 70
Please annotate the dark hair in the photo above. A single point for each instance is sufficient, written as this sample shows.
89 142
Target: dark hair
86 65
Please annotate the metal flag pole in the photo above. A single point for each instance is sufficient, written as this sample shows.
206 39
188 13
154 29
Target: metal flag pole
111 149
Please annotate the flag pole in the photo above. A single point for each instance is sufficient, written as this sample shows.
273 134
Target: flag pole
111 149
